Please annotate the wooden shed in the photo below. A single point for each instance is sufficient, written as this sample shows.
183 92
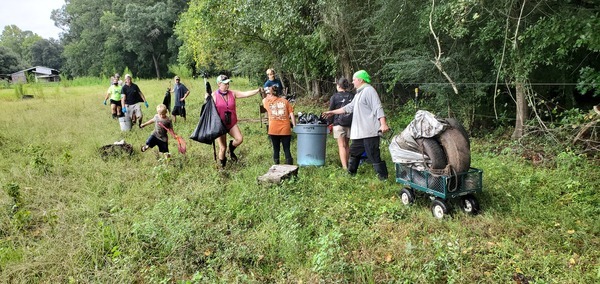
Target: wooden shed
38 73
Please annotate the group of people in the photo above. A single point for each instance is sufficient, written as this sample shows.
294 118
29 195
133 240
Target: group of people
357 118
280 113
125 98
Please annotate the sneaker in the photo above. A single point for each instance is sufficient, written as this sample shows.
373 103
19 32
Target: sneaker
144 148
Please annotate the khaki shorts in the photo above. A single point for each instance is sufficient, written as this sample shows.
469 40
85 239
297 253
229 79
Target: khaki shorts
341 131
134 109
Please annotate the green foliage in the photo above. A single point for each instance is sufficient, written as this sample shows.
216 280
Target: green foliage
88 81
104 36
569 160
328 248
14 191
180 70
20 43
588 81
125 72
19 90
47 53
9 61
64 80
38 161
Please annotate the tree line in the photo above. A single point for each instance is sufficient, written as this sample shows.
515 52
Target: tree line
476 59
23 49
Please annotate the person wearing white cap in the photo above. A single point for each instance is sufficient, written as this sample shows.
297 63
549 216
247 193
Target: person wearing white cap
226 107
181 92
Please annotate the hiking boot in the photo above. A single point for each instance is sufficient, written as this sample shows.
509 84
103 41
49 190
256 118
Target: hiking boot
289 161
353 165
381 170
231 151
275 161
223 162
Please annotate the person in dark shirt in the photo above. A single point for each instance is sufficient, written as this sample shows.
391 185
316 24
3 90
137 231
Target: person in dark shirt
131 96
181 92
342 122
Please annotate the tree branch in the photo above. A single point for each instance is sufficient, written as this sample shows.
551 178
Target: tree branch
438 62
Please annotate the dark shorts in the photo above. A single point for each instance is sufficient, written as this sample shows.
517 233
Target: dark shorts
152 141
117 103
179 110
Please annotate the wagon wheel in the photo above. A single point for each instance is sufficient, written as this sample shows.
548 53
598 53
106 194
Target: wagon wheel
469 204
439 208
407 195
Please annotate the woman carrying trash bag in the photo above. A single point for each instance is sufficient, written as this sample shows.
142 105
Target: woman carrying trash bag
225 102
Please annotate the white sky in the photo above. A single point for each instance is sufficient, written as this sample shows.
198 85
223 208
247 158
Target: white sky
30 15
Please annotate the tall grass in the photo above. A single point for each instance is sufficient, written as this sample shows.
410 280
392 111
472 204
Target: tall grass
68 215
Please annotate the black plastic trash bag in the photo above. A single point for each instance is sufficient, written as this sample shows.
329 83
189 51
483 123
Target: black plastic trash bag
210 126
167 99
311 118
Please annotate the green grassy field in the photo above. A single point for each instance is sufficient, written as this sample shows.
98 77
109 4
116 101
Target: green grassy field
68 215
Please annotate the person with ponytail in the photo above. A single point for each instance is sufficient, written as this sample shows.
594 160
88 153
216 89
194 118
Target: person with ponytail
342 122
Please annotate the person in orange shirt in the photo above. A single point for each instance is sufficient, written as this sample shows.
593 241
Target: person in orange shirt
280 113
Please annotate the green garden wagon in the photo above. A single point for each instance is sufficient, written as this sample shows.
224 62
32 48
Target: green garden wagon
440 188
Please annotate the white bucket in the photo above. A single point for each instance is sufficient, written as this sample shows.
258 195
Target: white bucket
125 123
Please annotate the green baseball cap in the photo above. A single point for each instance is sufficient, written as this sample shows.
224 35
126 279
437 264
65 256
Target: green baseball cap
363 75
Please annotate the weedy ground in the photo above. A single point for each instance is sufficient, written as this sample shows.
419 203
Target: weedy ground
69 215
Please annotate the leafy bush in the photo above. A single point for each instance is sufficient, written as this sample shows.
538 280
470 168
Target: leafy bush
180 70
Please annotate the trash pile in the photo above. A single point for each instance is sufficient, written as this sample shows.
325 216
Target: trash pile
434 144
117 149
310 118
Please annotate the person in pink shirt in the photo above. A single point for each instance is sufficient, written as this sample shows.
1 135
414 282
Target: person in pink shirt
225 102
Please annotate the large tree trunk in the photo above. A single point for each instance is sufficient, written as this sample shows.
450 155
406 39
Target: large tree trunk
316 89
156 66
522 110
346 67
307 82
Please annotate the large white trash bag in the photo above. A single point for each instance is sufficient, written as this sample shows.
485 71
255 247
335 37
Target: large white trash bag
404 148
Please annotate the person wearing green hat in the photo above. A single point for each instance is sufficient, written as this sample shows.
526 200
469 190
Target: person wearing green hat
368 122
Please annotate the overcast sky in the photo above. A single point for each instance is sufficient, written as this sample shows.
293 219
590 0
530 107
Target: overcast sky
30 15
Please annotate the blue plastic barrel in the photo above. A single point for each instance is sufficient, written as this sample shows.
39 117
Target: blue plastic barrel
311 144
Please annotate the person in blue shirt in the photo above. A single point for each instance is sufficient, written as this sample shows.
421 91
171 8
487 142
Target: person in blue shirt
181 92
272 81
